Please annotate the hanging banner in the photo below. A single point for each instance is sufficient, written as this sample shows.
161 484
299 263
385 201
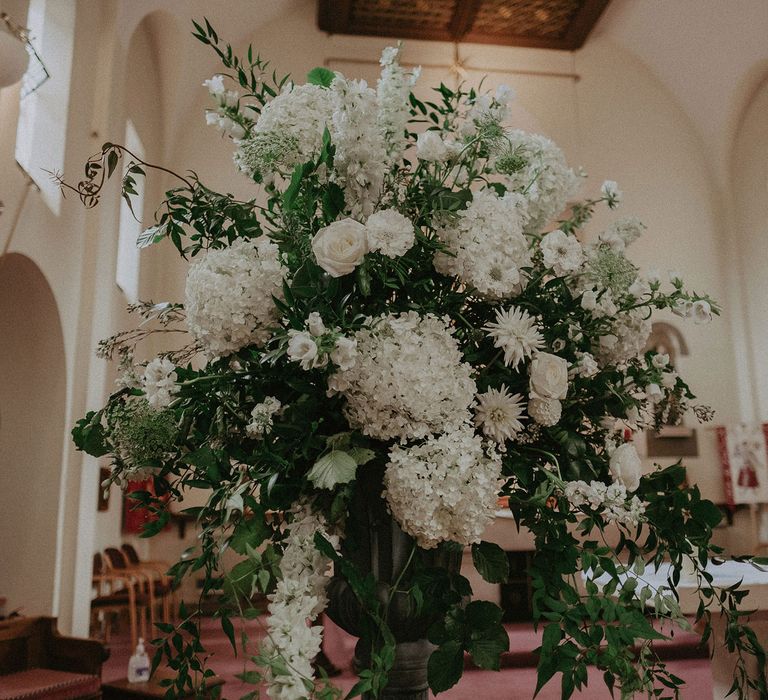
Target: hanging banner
743 452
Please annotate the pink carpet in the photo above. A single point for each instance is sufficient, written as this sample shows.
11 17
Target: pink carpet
516 681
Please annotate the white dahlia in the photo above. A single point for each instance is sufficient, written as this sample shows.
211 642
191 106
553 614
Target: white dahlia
499 414
546 412
515 332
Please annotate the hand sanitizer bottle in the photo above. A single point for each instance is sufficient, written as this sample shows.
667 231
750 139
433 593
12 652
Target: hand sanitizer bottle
138 665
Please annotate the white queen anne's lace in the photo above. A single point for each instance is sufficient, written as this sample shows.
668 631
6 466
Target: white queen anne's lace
444 489
409 380
229 295
487 246
298 599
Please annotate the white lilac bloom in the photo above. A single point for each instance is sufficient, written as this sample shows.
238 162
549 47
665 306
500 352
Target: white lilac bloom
408 380
499 414
392 92
561 252
159 382
360 159
515 332
487 248
262 417
390 233
229 295
613 195
291 643
426 487
543 176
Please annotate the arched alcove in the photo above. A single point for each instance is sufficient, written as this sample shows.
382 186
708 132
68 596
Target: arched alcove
32 416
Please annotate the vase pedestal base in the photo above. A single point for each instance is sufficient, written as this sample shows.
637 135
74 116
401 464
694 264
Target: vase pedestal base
407 680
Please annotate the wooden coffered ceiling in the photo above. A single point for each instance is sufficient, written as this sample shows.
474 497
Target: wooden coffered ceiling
549 24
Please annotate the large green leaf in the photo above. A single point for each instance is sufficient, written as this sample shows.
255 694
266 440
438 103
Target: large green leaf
336 467
445 666
491 561
321 76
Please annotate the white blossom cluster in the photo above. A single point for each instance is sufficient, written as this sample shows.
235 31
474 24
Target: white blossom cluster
443 489
226 100
314 347
159 382
627 339
392 91
229 295
610 500
289 130
298 599
486 244
262 417
545 177
409 380
361 155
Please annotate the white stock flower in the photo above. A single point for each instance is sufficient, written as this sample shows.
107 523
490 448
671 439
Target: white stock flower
392 91
389 232
548 377
701 311
262 417
626 467
487 248
340 247
302 348
586 365
159 382
408 381
515 332
229 295
561 252
431 147
546 412
444 489
499 414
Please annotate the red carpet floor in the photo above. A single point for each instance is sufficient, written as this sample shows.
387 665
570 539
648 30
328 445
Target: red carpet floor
516 681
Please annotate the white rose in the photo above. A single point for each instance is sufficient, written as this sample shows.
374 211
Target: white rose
302 348
701 311
430 146
315 324
626 467
549 377
344 355
340 247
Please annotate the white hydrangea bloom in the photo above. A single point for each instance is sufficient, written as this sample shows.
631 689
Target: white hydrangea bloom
515 332
408 380
487 245
545 178
229 295
499 414
389 232
561 252
627 338
444 489
361 157
289 130
611 500
622 232
262 417
159 382
392 91
431 147
585 366
298 599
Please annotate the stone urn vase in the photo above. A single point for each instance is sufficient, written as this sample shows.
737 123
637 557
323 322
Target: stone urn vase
375 543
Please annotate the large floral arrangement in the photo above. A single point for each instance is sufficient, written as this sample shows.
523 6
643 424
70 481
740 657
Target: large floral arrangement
405 293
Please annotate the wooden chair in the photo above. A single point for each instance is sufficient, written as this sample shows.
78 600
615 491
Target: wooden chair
37 662
164 583
118 592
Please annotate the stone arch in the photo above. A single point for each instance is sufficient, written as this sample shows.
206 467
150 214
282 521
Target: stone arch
32 421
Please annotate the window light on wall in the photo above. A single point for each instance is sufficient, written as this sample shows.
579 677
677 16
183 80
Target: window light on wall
127 269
